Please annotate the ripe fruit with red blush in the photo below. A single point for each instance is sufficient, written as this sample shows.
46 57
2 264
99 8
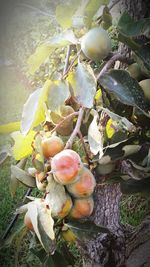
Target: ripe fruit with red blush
82 207
66 166
51 146
84 186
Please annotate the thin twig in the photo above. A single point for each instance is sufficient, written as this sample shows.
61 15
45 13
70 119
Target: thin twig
66 118
67 59
113 4
111 61
71 64
76 129
84 146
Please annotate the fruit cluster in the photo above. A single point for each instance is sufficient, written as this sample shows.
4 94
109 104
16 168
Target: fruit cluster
67 183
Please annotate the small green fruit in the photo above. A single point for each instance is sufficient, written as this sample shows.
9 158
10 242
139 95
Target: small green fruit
96 44
145 85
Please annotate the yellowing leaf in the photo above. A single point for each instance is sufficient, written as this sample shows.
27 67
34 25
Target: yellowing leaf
64 13
40 55
42 223
33 111
84 84
10 127
109 128
58 94
22 147
95 137
91 8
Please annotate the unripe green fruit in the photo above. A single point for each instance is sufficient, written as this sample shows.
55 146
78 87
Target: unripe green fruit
96 44
135 71
66 127
145 85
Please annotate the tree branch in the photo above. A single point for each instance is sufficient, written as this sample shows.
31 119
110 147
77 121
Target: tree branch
76 129
66 118
67 59
111 61
71 64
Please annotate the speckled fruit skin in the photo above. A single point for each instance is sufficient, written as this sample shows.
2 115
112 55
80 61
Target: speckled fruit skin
84 186
66 166
96 44
145 84
82 207
27 221
51 146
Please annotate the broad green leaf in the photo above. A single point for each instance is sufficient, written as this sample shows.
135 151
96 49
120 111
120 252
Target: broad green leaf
95 137
91 9
86 229
58 94
107 18
14 182
41 54
10 127
23 144
33 111
42 223
128 27
143 58
22 176
84 84
65 12
125 88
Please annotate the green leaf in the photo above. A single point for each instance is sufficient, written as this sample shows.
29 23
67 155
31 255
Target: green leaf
10 127
41 54
86 229
33 111
91 9
58 94
143 58
4 154
22 176
128 27
43 224
84 84
65 12
125 88
23 144
65 38
133 186
107 18
95 138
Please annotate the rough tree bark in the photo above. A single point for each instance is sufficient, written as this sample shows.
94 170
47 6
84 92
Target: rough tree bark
125 246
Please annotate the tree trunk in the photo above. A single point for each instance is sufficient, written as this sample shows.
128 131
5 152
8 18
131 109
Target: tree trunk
125 246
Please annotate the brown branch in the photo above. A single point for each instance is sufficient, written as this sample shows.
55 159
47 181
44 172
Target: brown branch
67 59
84 146
111 61
76 129
66 118
71 64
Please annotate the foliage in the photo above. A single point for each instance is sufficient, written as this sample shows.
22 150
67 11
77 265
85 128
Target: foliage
108 114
